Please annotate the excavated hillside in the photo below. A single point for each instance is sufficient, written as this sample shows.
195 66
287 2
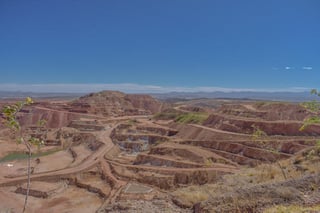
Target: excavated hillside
272 118
102 154
93 106
112 103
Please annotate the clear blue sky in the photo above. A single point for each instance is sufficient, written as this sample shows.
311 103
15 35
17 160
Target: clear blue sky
183 43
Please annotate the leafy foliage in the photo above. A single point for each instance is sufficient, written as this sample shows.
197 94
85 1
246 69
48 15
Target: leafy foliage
313 106
309 121
10 114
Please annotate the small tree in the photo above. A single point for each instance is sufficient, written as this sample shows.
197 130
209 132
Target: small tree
313 106
10 119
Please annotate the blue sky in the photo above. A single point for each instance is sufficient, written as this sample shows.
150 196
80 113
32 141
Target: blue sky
247 44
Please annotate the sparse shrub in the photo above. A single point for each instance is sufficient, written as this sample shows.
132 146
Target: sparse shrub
132 122
258 133
208 162
260 104
192 195
169 114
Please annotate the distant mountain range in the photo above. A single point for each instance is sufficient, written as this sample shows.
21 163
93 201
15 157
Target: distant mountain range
18 94
274 96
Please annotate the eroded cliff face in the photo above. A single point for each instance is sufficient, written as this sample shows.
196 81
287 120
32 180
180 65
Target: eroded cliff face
145 102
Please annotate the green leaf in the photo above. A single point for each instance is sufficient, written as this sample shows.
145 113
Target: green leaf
29 101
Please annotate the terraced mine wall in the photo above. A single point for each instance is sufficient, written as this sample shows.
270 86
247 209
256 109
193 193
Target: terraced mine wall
55 119
88 187
33 193
246 153
168 178
157 130
156 160
288 128
151 139
191 132
86 126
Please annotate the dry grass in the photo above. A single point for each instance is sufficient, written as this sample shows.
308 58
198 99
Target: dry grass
293 168
292 209
192 195
234 186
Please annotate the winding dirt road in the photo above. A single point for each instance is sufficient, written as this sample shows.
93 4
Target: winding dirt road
90 162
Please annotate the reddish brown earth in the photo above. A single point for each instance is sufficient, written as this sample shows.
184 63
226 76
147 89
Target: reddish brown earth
108 142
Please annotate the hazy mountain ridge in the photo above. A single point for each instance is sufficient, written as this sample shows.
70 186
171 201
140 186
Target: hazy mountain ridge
19 94
274 96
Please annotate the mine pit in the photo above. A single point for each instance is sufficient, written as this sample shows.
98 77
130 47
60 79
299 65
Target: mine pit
110 154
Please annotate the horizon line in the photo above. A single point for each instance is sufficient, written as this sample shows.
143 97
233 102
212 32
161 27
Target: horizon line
131 88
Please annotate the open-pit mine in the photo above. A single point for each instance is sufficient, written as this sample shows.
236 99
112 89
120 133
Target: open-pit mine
116 152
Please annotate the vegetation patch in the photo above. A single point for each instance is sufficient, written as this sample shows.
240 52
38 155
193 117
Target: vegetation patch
191 195
191 117
182 117
22 156
169 114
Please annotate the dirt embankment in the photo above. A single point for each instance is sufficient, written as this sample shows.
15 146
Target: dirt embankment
54 119
187 153
169 177
33 193
158 130
88 187
86 125
192 132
